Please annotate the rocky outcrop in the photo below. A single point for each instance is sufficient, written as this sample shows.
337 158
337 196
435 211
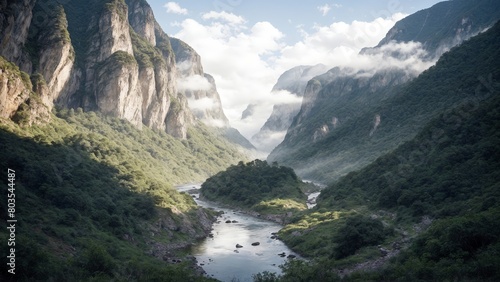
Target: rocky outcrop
54 55
142 20
197 86
18 102
110 57
293 81
15 19
15 88
444 25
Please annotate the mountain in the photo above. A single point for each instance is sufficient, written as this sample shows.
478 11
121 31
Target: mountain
348 116
110 57
445 24
95 130
293 81
201 92
428 209
198 87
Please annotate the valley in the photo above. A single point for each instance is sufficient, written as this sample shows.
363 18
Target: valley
104 117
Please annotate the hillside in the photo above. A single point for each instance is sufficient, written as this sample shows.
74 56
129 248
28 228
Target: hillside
431 203
445 24
348 126
271 191
94 197
94 133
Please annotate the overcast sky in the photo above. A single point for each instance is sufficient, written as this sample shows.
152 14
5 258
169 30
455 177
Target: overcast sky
246 45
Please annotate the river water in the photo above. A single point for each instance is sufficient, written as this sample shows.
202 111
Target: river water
220 258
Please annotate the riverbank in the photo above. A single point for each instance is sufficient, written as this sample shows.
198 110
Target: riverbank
218 255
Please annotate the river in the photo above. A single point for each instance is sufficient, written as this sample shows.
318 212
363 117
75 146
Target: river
220 258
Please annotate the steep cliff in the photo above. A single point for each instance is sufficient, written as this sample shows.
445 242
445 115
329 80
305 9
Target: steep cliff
15 20
201 93
110 57
88 93
342 123
292 82
445 24
198 87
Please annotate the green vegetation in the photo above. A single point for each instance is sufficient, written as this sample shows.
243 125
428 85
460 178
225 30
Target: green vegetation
357 232
147 55
442 21
91 191
434 199
117 59
462 74
16 72
117 6
258 186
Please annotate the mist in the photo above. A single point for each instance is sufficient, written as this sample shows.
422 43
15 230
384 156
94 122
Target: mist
194 83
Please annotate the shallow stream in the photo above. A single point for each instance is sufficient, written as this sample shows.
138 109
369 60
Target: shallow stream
219 256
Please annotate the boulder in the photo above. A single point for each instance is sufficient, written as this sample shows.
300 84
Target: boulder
255 244
239 246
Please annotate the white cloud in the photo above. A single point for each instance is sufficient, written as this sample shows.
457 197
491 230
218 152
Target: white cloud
324 9
246 60
175 8
228 17
283 97
194 83
214 122
268 140
336 44
184 65
202 104
408 56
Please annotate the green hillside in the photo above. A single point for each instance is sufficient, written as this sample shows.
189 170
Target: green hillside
459 75
259 187
433 200
91 190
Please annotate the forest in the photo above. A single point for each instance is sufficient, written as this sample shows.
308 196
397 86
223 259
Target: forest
89 190
258 186
428 210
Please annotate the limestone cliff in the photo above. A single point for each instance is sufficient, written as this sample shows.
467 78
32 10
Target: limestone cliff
201 94
15 88
341 113
108 56
294 82
15 19
197 86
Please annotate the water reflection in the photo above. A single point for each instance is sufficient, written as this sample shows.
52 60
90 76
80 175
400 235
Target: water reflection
219 256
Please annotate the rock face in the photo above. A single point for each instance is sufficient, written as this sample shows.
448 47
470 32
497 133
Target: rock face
201 94
198 87
293 81
13 89
15 19
445 24
107 56
340 116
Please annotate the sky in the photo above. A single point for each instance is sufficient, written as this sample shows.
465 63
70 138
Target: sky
246 45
